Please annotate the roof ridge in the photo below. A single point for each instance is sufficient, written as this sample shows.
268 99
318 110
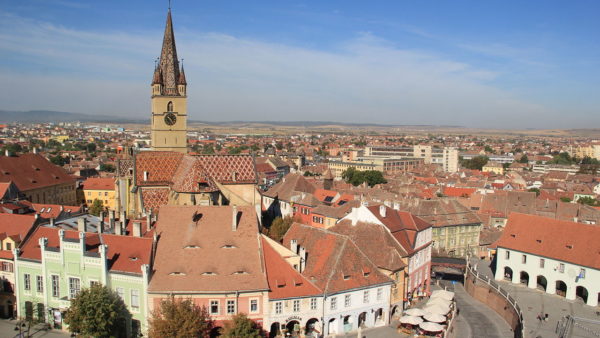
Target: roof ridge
339 254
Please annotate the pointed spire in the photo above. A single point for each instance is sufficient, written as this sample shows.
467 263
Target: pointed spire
157 77
181 80
169 65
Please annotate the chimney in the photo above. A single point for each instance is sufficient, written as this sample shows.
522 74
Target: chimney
148 221
6 152
117 228
123 216
52 222
234 218
62 208
81 224
34 150
294 246
382 210
137 229
111 214
101 224
36 216
145 175
302 253
396 206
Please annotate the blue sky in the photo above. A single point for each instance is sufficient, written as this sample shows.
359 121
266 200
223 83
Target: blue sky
492 64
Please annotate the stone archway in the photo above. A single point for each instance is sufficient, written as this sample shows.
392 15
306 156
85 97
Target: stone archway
293 327
347 322
582 293
362 320
508 274
524 278
542 283
379 317
275 329
561 288
312 328
332 326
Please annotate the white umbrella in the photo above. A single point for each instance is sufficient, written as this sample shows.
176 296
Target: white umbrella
412 320
431 327
440 301
434 318
437 308
414 312
448 295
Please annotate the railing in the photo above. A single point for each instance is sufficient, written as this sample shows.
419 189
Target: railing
519 329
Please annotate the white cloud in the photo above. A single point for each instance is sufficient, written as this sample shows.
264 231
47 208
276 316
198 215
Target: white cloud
363 80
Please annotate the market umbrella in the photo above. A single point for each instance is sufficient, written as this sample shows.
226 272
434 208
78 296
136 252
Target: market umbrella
434 318
441 301
448 295
414 312
431 327
412 320
437 308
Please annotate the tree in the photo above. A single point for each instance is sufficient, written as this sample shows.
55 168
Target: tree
589 201
355 177
488 149
178 317
97 207
241 326
279 227
524 159
97 312
565 199
535 190
107 167
475 163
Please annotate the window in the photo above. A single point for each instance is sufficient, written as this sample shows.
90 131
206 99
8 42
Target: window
230 306
74 287
581 274
305 211
106 193
94 282
55 286
561 268
40 284
507 255
214 307
27 281
121 293
542 262
296 305
333 304
524 259
347 301
366 296
278 308
253 305
8 246
313 303
170 106
379 293
6 266
135 299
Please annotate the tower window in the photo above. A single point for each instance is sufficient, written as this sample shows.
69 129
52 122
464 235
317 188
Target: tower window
170 106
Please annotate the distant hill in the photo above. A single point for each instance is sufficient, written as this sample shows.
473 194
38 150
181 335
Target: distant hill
7 116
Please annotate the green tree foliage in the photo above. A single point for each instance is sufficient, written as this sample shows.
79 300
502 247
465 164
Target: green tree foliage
59 160
476 163
565 199
279 227
178 317
90 147
356 177
241 326
524 159
488 149
562 158
97 207
589 201
13 148
107 167
535 190
97 312
589 166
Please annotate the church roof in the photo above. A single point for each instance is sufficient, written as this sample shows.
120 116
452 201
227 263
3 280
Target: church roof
169 64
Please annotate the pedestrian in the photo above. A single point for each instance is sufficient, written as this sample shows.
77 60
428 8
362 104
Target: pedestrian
546 317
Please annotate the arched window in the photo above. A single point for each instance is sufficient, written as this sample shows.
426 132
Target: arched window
170 106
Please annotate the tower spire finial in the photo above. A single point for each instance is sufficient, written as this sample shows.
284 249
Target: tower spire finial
169 4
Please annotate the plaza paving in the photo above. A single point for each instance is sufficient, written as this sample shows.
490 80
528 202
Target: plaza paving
7 330
534 302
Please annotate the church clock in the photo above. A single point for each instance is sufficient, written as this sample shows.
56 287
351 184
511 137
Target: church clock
170 119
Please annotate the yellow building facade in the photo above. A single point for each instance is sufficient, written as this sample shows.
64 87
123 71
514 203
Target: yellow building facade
102 189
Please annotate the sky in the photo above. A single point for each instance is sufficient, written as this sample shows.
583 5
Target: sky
487 64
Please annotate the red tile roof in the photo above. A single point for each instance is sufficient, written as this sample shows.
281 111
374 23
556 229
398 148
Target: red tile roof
403 225
284 280
32 171
458 192
572 242
16 227
97 183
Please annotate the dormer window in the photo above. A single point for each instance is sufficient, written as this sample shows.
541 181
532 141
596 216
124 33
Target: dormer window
228 246
208 273
133 259
569 246
192 246
240 272
177 273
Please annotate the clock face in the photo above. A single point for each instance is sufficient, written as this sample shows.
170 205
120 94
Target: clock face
170 119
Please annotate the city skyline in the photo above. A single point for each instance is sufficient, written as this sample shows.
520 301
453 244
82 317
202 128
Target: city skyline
471 65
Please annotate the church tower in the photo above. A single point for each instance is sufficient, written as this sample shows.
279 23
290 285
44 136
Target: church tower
169 98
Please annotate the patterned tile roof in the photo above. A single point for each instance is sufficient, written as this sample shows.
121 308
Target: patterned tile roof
191 177
229 168
153 198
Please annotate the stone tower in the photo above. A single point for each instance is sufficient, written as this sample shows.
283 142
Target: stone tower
169 98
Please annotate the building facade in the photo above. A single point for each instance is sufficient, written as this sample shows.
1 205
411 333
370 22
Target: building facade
102 189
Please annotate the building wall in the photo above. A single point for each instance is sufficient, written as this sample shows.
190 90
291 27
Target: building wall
108 197
356 307
551 271
460 239
304 314
63 194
